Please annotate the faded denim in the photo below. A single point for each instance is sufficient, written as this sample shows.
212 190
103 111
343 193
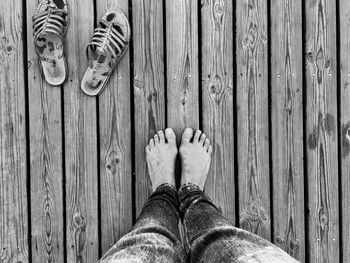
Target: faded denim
208 236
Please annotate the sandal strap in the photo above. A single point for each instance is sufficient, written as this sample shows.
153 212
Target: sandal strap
50 21
107 38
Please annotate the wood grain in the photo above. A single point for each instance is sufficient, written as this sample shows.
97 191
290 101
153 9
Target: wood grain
344 8
322 151
217 93
80 124
13 166
115 146
46 167
287 123
182 65
252 116
166 92
149 97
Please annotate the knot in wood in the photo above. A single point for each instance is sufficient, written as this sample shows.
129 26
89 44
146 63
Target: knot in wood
3 253
79 220
323 218
30 63
229 90
310 57
254 216
289 106
218 8
251 4
138 84
280 241
112 160
263 37
251 36
345 139
293 244
215 87
320 59
328 63
9 49
347 134
3 42
319 76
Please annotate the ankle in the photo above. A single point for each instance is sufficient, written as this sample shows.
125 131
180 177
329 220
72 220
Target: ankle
156 185
191 183
169 185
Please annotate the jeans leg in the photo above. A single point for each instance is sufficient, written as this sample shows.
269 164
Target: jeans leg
209 237
155 236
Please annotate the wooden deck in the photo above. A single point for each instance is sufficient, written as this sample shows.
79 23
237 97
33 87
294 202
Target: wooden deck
267 80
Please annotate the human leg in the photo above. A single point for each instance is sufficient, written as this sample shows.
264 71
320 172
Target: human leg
155 236
209 237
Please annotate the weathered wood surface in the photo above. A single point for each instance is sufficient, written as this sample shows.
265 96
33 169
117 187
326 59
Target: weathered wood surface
217 92
182 65
80 127
252 116
115 146
287 123
344 11
149 86
322 143
13 164
81 163
46 166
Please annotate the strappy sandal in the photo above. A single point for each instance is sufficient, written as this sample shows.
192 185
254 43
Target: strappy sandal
108 44
50 24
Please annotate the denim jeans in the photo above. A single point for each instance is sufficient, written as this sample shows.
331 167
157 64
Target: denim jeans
208 236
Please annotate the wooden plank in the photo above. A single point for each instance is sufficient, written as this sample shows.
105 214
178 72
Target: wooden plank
252 116
344 9
13 166
149 97
287 123
182 65
80 142
46 167
322 148
115 146
217 92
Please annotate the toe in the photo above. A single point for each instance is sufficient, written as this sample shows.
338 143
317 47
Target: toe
156 139
147 148
170 135
151 143
202 139
197 135
161 136
187 135
206 143
210 149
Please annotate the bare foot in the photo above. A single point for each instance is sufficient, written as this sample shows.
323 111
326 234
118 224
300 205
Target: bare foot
161 155
195 157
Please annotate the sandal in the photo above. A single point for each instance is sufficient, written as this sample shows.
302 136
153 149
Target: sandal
50 24
108 44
